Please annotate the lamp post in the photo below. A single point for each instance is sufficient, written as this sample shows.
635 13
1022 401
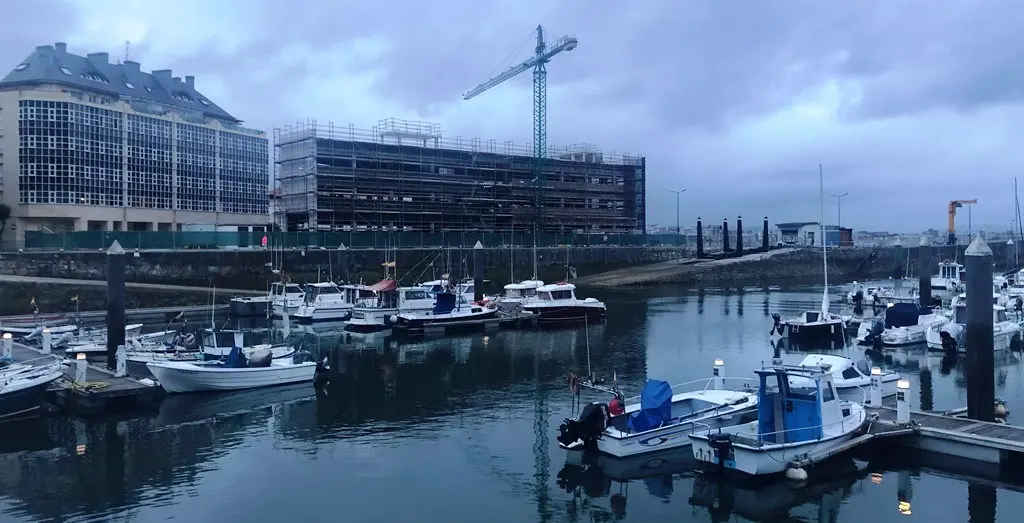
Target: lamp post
839 215
677 193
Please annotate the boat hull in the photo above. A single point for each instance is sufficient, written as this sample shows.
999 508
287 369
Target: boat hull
591 313
368 320
673 437
24 399
422 322
177 377
311 314
811 334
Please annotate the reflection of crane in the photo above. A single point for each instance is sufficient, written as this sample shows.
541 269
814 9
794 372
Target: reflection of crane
543 55
953 206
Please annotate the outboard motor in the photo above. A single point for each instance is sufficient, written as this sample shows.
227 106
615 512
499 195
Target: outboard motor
721 442
948 341
587 428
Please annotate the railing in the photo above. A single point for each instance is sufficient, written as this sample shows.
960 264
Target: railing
707 383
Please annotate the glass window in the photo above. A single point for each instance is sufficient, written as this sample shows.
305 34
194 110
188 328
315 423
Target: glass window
850 373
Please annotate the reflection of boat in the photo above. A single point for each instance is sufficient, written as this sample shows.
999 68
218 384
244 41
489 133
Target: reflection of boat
795 417
662 419
186 408
774 501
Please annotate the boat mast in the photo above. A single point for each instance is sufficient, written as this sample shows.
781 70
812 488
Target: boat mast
534 252
824 252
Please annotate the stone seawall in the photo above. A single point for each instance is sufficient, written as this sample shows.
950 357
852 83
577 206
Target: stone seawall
16 298
251 269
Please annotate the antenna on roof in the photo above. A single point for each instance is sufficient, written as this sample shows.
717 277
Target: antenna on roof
127 45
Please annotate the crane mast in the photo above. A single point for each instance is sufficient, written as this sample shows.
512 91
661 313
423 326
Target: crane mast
542 55
953 206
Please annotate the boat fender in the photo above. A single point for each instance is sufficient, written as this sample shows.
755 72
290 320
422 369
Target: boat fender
796 474
260 358
394 318
615 407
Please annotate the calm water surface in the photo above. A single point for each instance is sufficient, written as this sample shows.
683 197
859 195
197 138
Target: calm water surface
461 429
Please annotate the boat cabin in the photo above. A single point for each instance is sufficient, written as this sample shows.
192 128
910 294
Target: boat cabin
225 338
355 292
523 289
323 289
286 290
838 366
998 314
434 286
560 291
796 410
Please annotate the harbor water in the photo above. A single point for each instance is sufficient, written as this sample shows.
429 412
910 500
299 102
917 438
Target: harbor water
461 429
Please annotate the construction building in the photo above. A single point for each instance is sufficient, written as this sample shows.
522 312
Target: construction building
404 176
91 145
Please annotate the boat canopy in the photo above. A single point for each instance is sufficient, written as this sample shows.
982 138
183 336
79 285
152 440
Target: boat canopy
444 303
903 315
800 419
384 286
655 406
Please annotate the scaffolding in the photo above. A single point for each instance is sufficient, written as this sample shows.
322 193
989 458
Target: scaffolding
405 176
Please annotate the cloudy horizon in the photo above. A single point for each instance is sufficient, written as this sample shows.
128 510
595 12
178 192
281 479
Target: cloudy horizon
906 105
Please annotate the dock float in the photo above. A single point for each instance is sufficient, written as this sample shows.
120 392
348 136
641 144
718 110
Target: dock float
143 315
988 442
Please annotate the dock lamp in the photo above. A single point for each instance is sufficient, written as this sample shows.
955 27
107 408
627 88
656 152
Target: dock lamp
8 344
718 373
47 340
902 402
876 387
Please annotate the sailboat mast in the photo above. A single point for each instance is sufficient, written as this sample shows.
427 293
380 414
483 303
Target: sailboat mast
535 252
824 251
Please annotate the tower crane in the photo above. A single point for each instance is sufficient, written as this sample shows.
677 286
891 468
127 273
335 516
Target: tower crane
542 55
953 206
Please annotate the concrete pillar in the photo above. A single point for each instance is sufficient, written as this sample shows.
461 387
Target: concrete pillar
122 362
739 235
764 234
725 235
115 302
700 239
899 262
924 276
478 271
979 341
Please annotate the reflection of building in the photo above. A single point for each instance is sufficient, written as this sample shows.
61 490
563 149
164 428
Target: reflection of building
403 176
86 144
809 234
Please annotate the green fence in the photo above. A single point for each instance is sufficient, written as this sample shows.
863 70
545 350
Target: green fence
95 240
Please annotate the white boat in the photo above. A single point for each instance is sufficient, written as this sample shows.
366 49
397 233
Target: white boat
23 391
519 293
285 299
1004 330
326 301
850 381
236 374
949 277
135 342
450 311
247 306
557 302
794 421
662 419
380 311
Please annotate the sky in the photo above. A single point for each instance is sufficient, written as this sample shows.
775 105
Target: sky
905 104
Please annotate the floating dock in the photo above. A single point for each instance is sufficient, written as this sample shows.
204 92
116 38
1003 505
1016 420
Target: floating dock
146 315
988 442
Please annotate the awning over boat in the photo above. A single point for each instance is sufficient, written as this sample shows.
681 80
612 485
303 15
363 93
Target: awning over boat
903 315
384 285
655 406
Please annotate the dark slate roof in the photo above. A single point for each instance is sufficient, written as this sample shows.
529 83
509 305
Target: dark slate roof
793 225
54 65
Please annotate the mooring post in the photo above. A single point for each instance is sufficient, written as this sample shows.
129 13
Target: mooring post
8 346
725 234
924 273
903 401
478 271
47 340
739 235
876 387
81 368
122 362
718 374
899 267
115 302
764 234
979 342
700 239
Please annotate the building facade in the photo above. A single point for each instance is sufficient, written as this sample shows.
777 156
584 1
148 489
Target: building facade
403 176
809 234
86 144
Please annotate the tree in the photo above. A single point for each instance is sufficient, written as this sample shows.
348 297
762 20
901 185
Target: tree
5 214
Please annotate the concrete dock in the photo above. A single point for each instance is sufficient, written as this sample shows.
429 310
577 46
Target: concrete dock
993 443
11 278
144 315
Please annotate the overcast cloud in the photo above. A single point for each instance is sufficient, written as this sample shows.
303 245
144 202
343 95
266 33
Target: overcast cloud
907 104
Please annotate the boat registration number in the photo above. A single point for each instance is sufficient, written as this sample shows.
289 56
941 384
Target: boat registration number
713 456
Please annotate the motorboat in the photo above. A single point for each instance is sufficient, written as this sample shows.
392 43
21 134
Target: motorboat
915 334
450 312
518 293
132 341
23 391
236 372
285 299
327 301
951 334
950 276
851 382
247 306
218 343
557 303
796 418
901 325
389 300
661 419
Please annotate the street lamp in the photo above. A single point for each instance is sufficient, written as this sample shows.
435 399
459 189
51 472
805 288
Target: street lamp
839 207
677 193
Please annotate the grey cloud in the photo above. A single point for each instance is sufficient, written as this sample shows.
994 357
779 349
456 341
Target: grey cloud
25 24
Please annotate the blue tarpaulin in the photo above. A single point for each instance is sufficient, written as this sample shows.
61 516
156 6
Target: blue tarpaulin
903 315
655 406
444 302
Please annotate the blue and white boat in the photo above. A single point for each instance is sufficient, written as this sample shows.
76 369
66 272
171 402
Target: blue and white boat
800 415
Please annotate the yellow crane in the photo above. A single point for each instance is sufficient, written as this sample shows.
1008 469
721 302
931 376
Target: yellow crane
953 206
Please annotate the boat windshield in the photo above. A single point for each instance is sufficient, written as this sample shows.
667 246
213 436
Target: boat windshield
292 288
416 294
312 291
513 293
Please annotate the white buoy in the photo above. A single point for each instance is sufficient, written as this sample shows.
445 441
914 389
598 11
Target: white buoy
8 345
122 362
1000 411
80 368
394 319
876 387
902 402
47 339
718 375
796 474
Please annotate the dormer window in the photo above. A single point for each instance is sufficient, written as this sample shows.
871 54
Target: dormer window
181 95
94 76
21 67
129 85
149 89
65 70
204 102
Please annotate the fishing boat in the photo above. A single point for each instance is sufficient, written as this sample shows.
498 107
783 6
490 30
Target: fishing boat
24 391
796 418
950 276
951 334
246 306
450 312
285 299
389 300
851 382
557 302
326 301
132 342
662 418
236 372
